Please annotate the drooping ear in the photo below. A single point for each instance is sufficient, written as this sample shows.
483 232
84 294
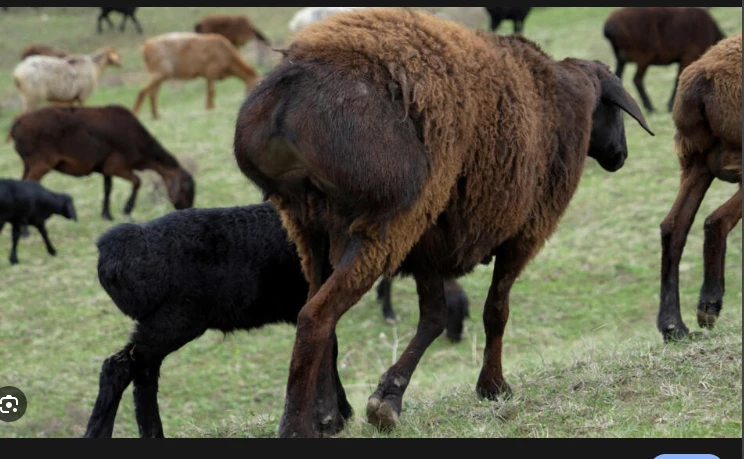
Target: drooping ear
613 91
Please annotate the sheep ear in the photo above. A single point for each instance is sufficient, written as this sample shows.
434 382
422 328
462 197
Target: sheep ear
613 91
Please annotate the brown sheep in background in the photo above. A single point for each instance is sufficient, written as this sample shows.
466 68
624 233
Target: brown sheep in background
392 141
109 140
659 36
43 50
238 29
707 114
189 55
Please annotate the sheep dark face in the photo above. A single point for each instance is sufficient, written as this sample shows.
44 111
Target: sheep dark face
68 208
607 144
182 190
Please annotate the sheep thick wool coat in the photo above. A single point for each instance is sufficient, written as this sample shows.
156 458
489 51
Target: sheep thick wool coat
486 137
709 102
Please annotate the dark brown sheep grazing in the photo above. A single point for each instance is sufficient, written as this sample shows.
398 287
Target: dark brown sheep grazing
394 141
707 114
659 36
236 28
109 140
43 50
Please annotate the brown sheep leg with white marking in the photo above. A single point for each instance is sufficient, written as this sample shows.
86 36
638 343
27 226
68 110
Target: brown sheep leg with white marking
384 406
717 228
351 279
674 229
511 258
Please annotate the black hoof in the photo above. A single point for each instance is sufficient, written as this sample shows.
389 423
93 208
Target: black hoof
708 313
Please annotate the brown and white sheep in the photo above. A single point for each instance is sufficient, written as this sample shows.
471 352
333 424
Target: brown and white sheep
42 50
109 140
68 80
394 141
659 36
707 115
189 55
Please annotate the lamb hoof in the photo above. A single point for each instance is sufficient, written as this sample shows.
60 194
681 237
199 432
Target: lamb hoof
381 414
708 312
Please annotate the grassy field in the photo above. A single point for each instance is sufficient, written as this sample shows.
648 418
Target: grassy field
581 349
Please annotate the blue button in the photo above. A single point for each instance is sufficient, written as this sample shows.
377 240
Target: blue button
687 456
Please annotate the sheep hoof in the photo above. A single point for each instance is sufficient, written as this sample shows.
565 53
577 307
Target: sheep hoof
502 390
381 414
107 216
391 320
675 332
13 260
708 312
53 252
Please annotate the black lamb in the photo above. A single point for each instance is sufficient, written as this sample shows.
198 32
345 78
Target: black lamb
184 273
29 203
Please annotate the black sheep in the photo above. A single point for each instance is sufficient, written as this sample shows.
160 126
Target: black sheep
182 274
127 11
29 203
514 13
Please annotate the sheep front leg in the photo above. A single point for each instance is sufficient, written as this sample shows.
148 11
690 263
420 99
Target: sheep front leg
358 269
694 184
150 88
44 235
511 258
717 228
384 405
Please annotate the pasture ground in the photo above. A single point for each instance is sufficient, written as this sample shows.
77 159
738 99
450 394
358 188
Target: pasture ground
581 349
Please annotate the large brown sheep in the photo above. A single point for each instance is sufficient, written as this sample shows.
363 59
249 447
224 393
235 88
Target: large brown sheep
394 141
707 115
659 36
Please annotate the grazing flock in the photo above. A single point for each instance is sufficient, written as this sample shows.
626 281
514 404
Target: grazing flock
370 169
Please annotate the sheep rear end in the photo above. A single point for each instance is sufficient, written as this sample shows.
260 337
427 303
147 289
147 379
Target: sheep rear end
290 142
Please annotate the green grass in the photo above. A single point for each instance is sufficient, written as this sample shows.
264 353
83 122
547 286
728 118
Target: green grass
581 349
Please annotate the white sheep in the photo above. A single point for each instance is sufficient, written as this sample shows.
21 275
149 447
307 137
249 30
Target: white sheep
311 14
61 80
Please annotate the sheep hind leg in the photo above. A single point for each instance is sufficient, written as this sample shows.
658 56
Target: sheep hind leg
383 296
107 185
717 228
115 377
359 267
331 408
163 333
638 81
511 258
14 237
674 229
384 405
210 94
